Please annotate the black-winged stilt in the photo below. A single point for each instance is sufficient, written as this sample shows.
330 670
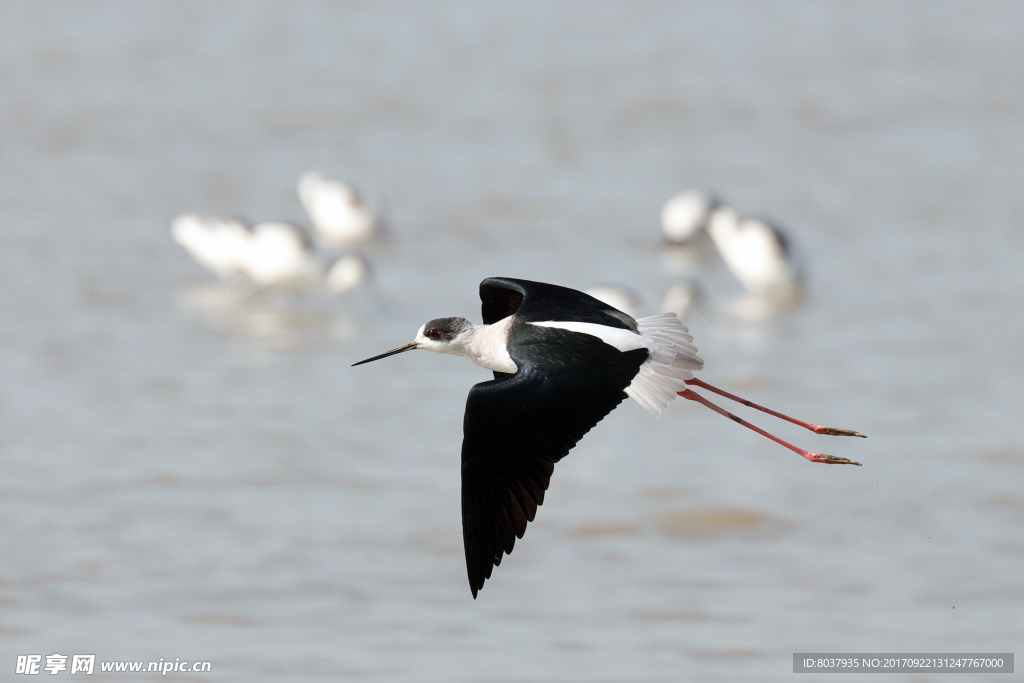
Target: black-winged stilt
562 360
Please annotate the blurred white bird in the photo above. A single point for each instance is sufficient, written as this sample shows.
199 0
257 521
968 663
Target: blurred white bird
617 296
758 253
219 244
681 297
686 215
273 255
338 212
347 273
281 254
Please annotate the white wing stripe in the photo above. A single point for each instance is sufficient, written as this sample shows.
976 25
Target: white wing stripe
623 340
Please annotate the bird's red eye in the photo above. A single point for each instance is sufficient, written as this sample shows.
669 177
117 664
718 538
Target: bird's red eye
432 333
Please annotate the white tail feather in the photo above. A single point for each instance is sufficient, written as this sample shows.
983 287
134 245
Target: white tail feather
671 361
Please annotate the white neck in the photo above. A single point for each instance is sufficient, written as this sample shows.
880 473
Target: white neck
485 345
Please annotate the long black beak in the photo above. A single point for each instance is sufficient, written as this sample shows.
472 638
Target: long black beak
408 347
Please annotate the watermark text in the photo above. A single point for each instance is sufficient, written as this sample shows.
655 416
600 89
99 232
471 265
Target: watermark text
34 665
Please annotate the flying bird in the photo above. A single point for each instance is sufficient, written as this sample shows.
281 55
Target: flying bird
562 360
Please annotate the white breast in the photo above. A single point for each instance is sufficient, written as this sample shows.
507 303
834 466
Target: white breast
487 346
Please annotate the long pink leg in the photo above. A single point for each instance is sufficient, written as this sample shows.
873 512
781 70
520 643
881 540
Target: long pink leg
813 457
817 429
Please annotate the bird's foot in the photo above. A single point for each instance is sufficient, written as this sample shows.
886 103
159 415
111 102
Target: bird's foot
830 459
835 431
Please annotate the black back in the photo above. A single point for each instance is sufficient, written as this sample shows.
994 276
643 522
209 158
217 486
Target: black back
518 426
540 302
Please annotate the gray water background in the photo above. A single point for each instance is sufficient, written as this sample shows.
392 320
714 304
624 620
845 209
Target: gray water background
183 475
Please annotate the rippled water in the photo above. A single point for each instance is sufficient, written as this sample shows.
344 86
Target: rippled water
188 473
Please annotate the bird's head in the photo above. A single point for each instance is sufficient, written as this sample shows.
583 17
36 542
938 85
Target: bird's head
443 335
686 215
347 273
724 224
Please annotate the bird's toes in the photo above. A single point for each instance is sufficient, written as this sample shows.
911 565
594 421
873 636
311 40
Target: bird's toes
835 431
832 459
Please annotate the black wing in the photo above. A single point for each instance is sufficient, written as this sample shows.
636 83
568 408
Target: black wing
516 429
539 302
